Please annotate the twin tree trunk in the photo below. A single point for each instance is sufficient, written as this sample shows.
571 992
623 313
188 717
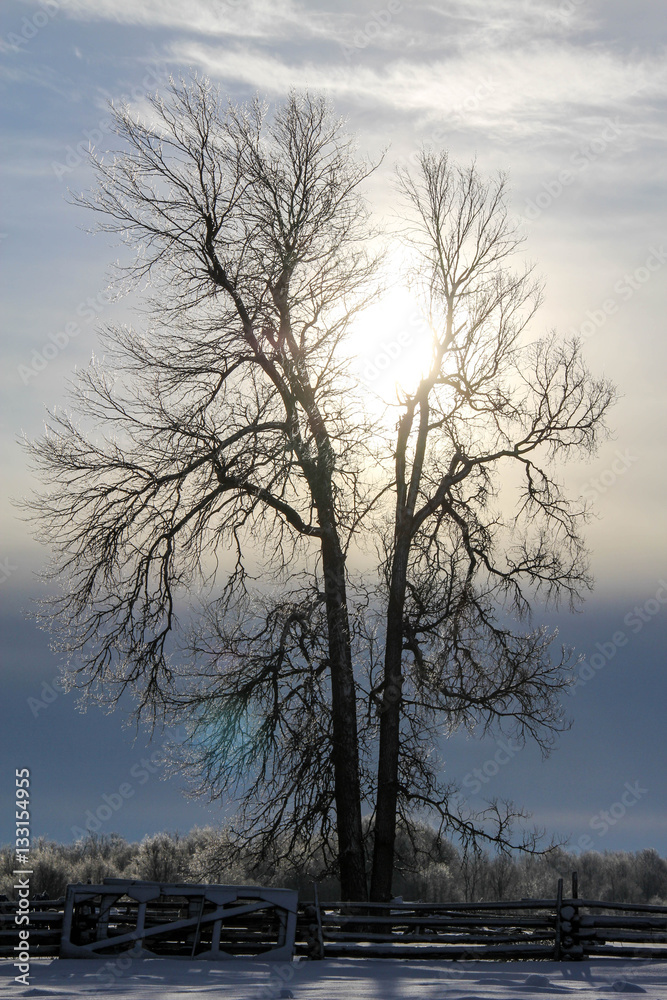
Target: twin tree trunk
345 761
345 740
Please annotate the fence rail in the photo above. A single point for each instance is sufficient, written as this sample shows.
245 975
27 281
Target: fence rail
560 929
45 924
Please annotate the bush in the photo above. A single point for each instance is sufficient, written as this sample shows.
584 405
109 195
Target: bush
428 868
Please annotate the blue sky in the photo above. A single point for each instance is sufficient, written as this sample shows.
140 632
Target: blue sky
569 97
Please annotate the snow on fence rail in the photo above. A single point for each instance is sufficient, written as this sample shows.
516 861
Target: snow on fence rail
46 919
560 929
433 930
215 921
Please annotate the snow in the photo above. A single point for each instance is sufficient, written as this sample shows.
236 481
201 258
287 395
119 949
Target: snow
352 979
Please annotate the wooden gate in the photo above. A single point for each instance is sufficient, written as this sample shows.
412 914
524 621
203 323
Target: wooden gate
178 920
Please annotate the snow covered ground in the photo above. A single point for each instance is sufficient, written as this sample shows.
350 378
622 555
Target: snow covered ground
360 979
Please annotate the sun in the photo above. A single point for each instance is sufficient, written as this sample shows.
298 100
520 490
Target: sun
392 344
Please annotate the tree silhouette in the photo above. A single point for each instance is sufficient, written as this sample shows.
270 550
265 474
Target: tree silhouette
464 555
219 466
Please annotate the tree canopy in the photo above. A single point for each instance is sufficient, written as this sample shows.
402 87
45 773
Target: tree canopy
205 495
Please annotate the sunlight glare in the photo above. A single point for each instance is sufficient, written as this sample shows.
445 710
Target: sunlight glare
392 346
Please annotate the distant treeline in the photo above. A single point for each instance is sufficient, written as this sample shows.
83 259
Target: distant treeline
430 870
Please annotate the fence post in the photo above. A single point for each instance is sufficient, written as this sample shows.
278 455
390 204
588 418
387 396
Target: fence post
318 915
570 924
559 905
569 942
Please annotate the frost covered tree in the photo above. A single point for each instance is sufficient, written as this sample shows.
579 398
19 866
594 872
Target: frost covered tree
472 544
218 468
227 424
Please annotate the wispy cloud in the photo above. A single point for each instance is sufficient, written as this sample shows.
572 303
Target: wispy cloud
509 23
536 92
460 25
249 19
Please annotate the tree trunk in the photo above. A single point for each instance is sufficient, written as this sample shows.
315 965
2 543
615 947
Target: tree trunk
344 715
390 713
390 722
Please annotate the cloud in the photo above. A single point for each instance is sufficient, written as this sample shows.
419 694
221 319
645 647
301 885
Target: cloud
545 90
499 23
240 18
460 26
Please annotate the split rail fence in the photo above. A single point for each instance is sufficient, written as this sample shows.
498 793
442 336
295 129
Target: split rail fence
45 926
560 929
222 922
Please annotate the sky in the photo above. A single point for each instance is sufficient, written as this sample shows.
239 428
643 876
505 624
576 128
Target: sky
568 97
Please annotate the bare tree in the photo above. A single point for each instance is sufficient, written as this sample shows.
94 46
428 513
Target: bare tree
228 431
222 456
464 558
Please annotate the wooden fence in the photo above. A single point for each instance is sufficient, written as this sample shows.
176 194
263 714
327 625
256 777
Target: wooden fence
45 925
559 929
